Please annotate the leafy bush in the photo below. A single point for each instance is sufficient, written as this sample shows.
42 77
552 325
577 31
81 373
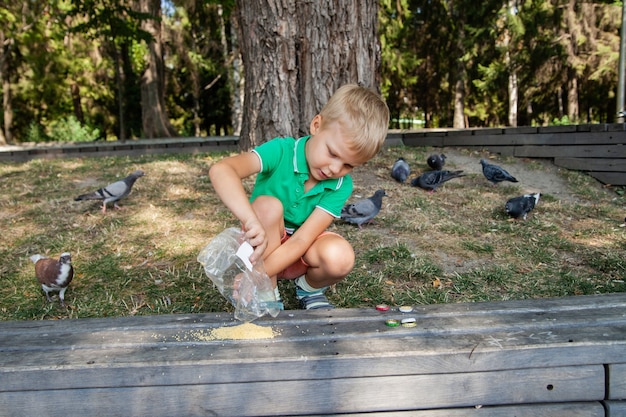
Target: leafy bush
70 130
35 133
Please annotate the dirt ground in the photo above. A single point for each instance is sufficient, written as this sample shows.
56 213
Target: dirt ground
534 175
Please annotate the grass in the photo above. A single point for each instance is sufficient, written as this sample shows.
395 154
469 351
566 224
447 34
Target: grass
455 245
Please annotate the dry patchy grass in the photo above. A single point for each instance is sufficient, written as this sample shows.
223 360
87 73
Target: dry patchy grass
450 246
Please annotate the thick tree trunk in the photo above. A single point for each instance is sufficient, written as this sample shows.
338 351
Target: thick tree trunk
155 120
296 54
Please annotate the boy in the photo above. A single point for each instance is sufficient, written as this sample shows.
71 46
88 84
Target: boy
301 186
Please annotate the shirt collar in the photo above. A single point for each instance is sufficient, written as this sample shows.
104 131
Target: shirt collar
300 166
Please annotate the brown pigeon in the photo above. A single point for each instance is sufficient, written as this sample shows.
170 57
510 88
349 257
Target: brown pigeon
54 275
113 192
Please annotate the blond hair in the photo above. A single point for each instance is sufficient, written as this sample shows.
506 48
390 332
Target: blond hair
363 114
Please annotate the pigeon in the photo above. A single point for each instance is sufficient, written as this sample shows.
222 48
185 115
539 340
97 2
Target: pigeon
496 174
54 275
430 180
400 170
362 211
436 162
114 192
520 206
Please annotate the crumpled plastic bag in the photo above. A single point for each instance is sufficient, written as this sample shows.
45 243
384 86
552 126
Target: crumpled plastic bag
246 287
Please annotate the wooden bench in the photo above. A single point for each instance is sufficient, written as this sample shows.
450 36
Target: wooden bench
545 357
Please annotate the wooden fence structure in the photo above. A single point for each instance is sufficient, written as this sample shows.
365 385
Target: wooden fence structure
599 150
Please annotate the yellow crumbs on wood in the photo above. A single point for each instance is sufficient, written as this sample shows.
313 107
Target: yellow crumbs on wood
241 332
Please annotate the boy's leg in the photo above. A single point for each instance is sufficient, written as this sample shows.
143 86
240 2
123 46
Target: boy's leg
329 260
269 210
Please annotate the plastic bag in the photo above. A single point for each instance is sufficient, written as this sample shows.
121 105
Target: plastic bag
248 288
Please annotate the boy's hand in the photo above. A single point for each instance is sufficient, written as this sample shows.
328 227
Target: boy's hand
254 233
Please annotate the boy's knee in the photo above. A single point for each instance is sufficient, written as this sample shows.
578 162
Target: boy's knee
339 258
267 206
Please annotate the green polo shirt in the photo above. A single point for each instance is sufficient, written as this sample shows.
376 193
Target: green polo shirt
284 170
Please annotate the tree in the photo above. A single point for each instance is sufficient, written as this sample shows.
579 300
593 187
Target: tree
155 122
117 25
296 54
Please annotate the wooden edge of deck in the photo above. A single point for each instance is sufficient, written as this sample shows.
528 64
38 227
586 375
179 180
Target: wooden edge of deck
558 357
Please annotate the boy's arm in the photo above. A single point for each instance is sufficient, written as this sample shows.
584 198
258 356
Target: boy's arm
226 176
297 245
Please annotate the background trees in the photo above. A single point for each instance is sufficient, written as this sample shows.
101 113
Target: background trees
117 69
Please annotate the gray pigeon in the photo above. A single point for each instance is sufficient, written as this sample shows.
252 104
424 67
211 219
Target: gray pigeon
114 192
495 173
520 206
430 180
400 170
436 162
54 275
362 211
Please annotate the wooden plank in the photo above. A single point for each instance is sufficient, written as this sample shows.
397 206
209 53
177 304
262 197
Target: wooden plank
617 382
616 127
553 139
615 408
520 129
557 129
420 139
320 396
394 139
577 409
592 164
612 178
352 343
571 151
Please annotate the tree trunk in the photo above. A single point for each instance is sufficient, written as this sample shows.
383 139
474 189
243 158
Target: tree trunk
154 117
572 97
458 119
511 8
119 82
7 100
235 78
296 54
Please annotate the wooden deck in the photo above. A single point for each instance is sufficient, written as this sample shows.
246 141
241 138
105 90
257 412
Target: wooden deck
563 357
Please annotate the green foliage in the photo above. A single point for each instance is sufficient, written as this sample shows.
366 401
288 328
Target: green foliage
35 133
563 121
70 130
86 58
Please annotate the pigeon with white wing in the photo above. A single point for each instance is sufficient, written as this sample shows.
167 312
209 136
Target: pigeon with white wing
113 192
520 206
54 275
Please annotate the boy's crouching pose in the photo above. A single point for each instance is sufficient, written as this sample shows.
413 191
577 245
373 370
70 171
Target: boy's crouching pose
301 186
